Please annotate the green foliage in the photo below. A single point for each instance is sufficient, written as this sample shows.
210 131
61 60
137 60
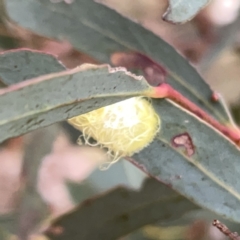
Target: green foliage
118 209
179 11
100 32
50 101
193 164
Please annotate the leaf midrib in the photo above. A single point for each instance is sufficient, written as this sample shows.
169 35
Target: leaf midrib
202 169
175 76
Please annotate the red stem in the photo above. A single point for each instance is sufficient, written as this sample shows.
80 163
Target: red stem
166 91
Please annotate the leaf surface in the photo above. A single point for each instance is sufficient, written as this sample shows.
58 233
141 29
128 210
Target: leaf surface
114 213
205 171
100 32
180 11
55 97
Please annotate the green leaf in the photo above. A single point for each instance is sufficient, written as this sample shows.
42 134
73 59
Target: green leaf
20 65
200 177
205 171
114 214
31 207
29 64
56 97
100 32
180 11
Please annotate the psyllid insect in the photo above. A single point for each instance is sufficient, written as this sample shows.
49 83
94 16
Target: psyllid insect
124 128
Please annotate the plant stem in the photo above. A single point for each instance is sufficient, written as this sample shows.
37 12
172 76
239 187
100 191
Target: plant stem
166 91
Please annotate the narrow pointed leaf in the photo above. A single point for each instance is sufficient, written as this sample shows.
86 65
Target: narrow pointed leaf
114 213
205 170
100 32
55 97
20 65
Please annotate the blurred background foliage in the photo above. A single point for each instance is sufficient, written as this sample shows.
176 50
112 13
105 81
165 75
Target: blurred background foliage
210 41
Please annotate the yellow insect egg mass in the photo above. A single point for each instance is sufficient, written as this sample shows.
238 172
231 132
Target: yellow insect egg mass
124 128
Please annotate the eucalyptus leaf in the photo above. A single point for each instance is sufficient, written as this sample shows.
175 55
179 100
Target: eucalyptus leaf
180 11
205 170
55 97
31 207
114 213
99 32
20 65
206 175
